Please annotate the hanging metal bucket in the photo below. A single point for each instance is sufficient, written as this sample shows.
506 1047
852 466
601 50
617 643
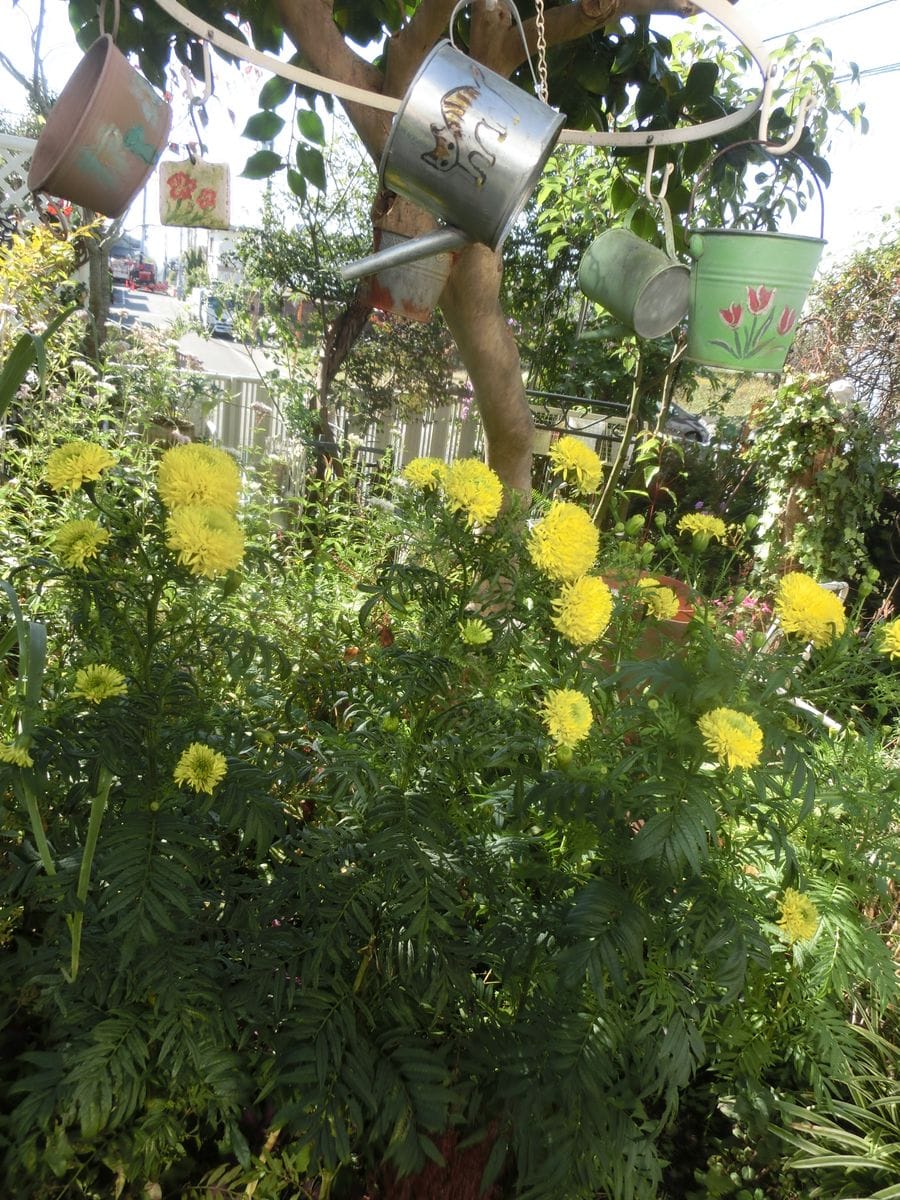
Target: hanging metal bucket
747 291
466 145
103 136
642 286
410 290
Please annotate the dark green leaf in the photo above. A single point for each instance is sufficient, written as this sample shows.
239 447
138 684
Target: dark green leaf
263 126
262 164
312 166
310 125
274 92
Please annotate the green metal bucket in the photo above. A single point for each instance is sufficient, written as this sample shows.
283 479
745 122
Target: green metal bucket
747 291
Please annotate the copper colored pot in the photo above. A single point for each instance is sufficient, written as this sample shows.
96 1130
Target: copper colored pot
103 136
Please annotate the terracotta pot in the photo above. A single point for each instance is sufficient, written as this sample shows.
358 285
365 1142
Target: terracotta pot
103 136
658 638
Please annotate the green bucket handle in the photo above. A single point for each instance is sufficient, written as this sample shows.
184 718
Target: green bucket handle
696 242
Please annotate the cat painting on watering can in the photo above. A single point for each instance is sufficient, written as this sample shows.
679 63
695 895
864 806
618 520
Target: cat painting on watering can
458 142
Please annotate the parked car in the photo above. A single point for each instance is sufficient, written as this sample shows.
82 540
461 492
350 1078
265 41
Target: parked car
215 315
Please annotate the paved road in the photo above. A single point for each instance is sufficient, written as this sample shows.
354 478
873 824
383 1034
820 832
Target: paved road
218 356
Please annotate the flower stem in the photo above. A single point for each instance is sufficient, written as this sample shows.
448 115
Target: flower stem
76 921
28 798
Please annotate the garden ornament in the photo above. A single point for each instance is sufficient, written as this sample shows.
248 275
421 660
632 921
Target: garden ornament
644 288
748 287
466 145
194 193
104 134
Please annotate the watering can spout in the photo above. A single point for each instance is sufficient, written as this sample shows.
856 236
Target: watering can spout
438 241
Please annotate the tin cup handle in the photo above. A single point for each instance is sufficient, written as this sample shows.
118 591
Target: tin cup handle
515 13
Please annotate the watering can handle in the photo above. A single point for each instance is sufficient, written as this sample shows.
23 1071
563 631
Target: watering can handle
775 158
515 14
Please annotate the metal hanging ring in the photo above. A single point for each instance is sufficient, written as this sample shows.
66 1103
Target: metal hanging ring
514 12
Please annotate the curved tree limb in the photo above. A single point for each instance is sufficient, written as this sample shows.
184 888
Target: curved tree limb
310 26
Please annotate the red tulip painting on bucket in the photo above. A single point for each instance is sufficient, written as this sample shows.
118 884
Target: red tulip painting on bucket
194 194
757 325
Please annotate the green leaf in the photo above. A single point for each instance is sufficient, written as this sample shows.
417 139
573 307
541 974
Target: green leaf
310 125
700 83
262 164
296 183
622 194
274 92
263 126
312 166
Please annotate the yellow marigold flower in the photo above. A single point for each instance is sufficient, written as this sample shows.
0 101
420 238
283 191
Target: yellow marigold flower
889 639
474 632
200 767
703 523
564 543
733 737
77 541
473 488
98 682
207 540
424 473
804 607
577 463
76 463
583 610
661 601
799 918
16 756
567 716
198 474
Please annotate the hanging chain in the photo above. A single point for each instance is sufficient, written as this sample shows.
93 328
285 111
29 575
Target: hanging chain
541 49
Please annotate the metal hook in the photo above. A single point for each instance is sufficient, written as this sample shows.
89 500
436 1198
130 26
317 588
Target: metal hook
207 74
765 113
648 178
101 18
195 104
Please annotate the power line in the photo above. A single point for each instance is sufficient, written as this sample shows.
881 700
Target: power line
829 20
884 69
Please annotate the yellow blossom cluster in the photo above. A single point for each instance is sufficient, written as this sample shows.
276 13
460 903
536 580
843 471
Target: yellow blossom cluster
474 632
564 543
733 737
207 540
200 768
889 639
473 489
583 610
577 463
15 756
200 485
662 602
567 716
704 525
799 917
425 473
199 474
77 541
804 607
98 682
76 463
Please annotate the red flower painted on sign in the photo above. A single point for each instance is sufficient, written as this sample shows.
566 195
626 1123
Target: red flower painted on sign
206 198
732 316
759 299
788 317
181 186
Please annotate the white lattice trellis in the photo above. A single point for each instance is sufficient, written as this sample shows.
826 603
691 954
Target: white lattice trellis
15 156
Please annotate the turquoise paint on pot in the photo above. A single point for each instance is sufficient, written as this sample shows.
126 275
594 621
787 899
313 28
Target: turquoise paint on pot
135 140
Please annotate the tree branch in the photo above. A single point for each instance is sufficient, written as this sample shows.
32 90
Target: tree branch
310 26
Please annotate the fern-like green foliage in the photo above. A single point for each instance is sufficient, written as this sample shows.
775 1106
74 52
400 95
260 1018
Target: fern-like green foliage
406 931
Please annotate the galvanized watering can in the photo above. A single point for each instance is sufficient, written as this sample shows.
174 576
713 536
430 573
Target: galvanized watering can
748 288
466 145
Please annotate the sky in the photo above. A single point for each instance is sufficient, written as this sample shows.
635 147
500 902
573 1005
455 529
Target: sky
866 169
